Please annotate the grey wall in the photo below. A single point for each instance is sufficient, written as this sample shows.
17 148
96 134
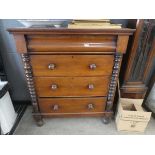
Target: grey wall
12 62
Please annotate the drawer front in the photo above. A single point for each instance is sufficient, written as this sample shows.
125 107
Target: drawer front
71 43
72 65
72 105
72 86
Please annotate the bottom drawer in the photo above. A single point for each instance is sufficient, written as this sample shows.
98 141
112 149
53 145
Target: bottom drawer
59 106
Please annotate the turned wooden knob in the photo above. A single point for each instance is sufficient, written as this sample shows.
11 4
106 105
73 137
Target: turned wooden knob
90 106
54 86
92 66
51 66
55 107
90 86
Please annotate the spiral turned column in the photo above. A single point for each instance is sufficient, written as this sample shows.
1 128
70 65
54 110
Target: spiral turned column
112 87
31 88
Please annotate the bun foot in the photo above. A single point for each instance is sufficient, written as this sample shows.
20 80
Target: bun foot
40 123
106 119
38 119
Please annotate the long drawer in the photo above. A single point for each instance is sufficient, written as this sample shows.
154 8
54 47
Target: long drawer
72 105
71 43
72 65
72 86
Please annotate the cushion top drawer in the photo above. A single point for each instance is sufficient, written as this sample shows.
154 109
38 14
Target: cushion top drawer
71 105
72 86
72 65
71 43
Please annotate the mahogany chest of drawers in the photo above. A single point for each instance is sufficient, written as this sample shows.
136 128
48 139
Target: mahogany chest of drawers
71 72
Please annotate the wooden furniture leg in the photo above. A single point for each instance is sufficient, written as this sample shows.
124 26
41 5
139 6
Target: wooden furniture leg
29 78
112 87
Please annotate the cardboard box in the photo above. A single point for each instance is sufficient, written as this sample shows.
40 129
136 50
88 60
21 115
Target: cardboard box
131 116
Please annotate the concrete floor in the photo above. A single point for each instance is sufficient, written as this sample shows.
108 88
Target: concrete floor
72 126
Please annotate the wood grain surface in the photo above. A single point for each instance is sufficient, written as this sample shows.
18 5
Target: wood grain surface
72 86
72 65
72 105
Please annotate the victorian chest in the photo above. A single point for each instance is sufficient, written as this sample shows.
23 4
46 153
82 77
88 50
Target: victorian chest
71 72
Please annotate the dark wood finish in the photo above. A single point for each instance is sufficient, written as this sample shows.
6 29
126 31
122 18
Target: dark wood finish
140 68
113 82
31 87
63 65
71 106
48 31
72 86
69 63
112 86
